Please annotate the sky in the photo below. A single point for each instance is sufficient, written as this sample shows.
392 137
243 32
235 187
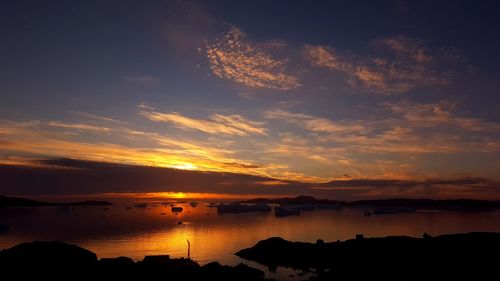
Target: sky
310 92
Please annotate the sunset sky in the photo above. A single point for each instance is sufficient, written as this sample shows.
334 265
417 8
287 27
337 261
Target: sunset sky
302 91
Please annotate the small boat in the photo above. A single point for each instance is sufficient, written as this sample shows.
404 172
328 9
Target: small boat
179 222
176 209
193 204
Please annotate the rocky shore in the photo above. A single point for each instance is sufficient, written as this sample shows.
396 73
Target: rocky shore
53 260
472 256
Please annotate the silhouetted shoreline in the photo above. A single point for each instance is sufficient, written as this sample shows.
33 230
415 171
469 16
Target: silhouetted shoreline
470 255
445 257
54 260
417 204
7 201
302 202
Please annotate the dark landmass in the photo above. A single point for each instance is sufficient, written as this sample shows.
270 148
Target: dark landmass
471 256
299 200
429 204
60 261
417 204
90 203
6 201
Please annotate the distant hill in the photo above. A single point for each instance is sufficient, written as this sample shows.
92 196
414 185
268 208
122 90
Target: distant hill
429 204
418 204
6 201
292 201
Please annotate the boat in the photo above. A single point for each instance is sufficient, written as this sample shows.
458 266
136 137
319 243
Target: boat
176 209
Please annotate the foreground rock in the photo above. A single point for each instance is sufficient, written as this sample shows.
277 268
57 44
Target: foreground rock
446 257
61 261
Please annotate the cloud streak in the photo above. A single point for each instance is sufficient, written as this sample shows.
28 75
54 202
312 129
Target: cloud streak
216 124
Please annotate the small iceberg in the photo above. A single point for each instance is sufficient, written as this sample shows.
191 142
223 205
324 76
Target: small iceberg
235 208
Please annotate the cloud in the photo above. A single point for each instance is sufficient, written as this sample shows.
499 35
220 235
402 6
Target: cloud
401 64
315 124
217 123
124 145
62 176
401 127
436 188
438 114
78 126
234 57
96 117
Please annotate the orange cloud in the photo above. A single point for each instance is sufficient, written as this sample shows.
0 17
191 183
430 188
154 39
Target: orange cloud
403 64
218 123
315 124
234 57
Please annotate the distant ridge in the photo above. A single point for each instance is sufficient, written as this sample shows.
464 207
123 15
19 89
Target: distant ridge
6 201
419 204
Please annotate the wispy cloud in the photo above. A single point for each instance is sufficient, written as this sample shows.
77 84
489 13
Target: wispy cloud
400 65
44 139
233 56
315 124
79 126
403 127
216 124
96 117
438 114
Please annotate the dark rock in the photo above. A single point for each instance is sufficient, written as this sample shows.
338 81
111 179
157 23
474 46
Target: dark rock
56 259
445 257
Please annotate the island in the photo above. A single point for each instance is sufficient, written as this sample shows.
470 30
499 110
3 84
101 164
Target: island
7 201
381 206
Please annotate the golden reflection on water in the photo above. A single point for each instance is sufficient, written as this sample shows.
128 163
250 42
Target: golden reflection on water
157 230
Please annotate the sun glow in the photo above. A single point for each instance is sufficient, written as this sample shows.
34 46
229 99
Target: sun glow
184 166
183 195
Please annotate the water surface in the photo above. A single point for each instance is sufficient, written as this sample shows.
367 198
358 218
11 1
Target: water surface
117 231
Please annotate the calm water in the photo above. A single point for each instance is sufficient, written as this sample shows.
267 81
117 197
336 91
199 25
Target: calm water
154 230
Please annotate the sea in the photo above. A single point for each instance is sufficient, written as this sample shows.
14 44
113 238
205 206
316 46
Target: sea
135 230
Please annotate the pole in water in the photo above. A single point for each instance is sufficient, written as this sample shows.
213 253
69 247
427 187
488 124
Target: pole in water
189 249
